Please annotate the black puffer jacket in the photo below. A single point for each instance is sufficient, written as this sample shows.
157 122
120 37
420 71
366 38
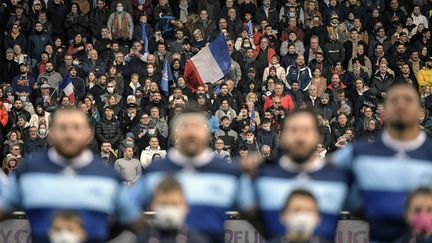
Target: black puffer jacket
267 137
109 130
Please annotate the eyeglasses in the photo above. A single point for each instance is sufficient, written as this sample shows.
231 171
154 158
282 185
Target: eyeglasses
16 149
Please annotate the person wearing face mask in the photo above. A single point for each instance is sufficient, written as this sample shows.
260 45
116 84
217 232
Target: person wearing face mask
67 227
265 136
300 216
171 208
425 75
152 131
190 162
250 142
418 216
299 166
129 141
120 24
128 167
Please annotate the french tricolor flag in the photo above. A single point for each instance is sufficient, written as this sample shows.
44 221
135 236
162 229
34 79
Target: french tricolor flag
209 65
68 88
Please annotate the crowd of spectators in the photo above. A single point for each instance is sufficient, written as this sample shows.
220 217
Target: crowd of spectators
337 58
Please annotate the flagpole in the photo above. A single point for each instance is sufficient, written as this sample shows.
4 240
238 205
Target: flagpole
53 92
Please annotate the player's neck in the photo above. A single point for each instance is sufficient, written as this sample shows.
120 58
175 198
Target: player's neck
406 134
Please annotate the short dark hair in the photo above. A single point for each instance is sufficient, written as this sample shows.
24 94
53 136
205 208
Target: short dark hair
167 185
296 193
426 191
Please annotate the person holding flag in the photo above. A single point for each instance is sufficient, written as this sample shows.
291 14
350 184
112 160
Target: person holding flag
211 64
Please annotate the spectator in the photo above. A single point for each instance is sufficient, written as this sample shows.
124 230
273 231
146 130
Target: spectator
76 23
94 64
22 84
150 151
13 138
54 78
299 72
170 204
34 143
66 225
128 167
226 133
107 154
40 116
109 128
300 215
14 152
98 17
265 136
120 24
37 41
15 37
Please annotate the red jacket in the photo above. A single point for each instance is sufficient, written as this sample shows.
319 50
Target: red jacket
287 102
270 53
4 116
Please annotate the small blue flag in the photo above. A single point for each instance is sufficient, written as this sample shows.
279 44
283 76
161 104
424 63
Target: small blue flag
253 120
217 90
250 29
166 77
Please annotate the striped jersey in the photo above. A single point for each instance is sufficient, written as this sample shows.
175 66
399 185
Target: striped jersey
43 185
384 173
211 186
276 181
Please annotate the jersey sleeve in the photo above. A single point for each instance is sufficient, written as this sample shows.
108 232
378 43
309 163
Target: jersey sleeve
245 196
343 158
10 195
127 209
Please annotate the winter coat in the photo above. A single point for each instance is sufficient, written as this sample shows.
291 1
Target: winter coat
109 130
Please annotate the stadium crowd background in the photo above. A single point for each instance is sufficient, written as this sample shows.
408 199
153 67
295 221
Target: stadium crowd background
337 59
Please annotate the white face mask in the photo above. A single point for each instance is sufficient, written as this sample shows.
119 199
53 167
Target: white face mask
64 236
169 217
151 131
119 9
42 131
23 98
266 128
110 90
301 224
250 140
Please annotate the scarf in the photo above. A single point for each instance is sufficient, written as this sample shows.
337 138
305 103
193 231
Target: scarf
14 36
144 36
134 88
120 29
183 13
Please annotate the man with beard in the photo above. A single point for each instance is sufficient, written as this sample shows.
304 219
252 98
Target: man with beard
54 78
398 162
22 84
211 185
73 178
299 72
299 167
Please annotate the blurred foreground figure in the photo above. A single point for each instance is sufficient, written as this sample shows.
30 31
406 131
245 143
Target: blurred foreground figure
399 161
418 215
68 177
169 204
211 185
300 168
300 217
67 226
